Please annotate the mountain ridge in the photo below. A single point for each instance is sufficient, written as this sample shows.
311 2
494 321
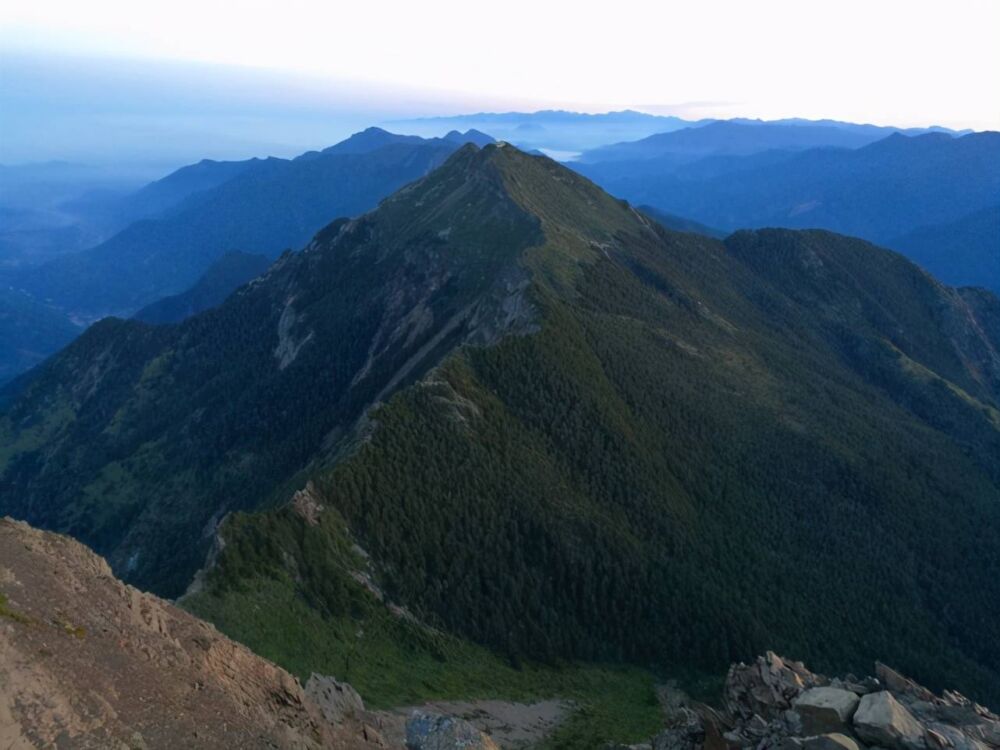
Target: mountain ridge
567 131
507 382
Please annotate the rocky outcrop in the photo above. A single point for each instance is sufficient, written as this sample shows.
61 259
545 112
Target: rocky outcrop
89 662
338 701
778 704
767 687
826 709
306 504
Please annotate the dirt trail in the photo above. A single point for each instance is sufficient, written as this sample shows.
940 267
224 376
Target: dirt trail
511 725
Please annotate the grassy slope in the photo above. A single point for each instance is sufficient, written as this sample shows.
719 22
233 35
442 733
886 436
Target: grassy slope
392 660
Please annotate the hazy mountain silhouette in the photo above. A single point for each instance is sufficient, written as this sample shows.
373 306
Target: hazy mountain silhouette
966 251
731 138
260 206
880 192
223 277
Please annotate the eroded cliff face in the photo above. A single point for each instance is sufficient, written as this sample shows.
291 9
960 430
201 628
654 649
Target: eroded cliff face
88 661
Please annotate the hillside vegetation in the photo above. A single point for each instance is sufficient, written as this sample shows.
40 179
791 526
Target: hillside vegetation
558 430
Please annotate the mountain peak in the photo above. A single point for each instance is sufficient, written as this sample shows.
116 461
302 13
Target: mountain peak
370 139
471 135
567 209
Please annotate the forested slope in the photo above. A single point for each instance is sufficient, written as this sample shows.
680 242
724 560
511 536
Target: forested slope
598 439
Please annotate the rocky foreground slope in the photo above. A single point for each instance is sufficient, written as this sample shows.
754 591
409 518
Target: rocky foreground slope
87 661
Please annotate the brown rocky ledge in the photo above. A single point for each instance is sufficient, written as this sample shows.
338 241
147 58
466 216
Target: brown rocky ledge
87 661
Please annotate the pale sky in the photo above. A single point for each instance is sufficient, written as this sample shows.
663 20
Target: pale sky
908 62
899 62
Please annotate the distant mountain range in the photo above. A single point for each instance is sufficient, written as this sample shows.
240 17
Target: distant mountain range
906 193
375 138
891 192
528 416
258 206
568 133
29 332
162 196
964 251
52 208
177 227
734 139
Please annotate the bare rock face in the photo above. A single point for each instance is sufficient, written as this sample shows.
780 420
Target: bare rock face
338 701
89 662
306 504
882 720
426 731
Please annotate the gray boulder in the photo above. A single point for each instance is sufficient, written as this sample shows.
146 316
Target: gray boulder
882 720
832 741
826 709
426 731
